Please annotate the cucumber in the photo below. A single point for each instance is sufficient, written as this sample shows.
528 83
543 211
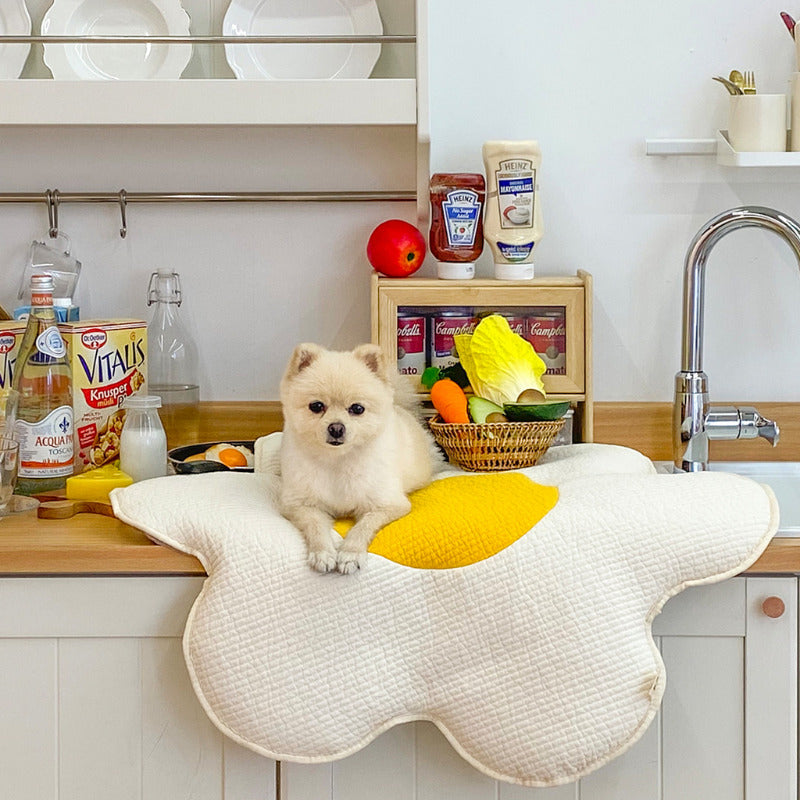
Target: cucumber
533 412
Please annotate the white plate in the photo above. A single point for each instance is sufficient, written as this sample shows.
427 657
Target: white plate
116 61
14 21
309 18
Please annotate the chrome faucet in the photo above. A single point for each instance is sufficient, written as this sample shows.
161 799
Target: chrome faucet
694 422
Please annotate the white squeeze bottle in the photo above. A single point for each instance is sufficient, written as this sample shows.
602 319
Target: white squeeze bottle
513 222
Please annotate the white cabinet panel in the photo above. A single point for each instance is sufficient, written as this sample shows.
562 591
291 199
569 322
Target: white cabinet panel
181 749
112 606
716 610
441 772
634 774
306 781
702 720
770 710
383 769
100 720
28 732
247 775
508 791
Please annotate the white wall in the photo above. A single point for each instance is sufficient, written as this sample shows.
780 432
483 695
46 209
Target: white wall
591 81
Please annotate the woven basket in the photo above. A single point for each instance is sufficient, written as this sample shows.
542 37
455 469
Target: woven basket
495 446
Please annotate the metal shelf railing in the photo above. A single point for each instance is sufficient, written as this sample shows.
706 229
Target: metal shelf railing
203 39
53 198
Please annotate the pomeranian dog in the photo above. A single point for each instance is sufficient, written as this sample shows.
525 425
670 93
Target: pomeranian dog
351 447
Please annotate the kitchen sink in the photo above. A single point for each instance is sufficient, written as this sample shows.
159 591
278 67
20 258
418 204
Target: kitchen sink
783 477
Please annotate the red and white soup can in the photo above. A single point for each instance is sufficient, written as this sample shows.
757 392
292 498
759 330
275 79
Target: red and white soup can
517 322
547 332
411 337
446 326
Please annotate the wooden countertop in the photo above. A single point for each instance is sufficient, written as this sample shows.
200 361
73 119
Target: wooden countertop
89 544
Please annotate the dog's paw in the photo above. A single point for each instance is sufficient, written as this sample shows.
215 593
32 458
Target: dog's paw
348 561
322 560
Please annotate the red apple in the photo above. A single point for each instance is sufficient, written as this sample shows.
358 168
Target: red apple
396 248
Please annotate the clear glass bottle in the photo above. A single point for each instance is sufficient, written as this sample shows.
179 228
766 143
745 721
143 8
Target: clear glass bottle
172 365
143 443
44 426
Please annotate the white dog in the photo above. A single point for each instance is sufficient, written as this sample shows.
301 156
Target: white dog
348 449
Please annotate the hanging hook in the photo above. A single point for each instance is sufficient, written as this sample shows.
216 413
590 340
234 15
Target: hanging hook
123 202
52 211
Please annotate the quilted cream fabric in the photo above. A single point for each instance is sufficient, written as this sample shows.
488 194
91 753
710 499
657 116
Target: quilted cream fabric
538 663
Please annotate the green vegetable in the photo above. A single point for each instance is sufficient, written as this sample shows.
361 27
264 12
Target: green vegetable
455 372
479 409
500 364
529 412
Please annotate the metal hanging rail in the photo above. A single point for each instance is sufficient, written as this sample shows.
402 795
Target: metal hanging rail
53 198
201 39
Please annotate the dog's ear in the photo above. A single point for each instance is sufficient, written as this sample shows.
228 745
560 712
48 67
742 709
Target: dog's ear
373 357
303 356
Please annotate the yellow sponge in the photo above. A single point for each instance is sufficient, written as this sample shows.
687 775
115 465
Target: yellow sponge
462 519
97 483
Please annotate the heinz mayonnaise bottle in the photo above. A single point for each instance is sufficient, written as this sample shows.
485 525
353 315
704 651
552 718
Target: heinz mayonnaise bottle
513 222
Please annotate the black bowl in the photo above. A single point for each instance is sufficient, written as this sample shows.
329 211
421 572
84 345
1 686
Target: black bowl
178 456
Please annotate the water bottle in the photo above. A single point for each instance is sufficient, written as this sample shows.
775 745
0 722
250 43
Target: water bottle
172 359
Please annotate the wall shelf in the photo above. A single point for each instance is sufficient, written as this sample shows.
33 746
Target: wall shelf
729 157
680 147
368 101
720 147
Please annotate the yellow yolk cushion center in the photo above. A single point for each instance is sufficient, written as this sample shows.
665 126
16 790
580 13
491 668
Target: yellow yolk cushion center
461 520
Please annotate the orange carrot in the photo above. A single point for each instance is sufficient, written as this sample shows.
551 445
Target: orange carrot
449 400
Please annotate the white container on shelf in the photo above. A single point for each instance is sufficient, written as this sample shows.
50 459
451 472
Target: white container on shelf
757 123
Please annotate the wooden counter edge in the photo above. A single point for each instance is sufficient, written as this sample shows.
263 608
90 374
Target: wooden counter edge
782 557
149 559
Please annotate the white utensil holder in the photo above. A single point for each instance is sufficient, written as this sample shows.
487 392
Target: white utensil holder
757 123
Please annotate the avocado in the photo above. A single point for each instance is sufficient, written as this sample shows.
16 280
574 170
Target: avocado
479 409
531 412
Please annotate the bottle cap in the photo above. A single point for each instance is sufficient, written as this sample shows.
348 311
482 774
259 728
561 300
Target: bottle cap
42 282
139 401
455 270
513 272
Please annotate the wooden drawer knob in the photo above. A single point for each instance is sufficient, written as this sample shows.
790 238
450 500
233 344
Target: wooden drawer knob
773 607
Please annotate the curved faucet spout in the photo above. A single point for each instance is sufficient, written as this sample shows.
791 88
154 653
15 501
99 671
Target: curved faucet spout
695 268
694 421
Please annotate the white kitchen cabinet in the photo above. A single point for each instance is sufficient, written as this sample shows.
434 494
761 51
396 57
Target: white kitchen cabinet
209 94
727 729
95 702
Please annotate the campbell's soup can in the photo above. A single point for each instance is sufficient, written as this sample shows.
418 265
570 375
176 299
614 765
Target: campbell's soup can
411 337
547 332
517 322
446 326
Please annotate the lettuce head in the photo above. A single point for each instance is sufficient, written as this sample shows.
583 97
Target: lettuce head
499 363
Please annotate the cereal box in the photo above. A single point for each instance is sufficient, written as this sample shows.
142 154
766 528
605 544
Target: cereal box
11 333
109 362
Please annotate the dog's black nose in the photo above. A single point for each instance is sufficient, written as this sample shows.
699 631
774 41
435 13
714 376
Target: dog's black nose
336 430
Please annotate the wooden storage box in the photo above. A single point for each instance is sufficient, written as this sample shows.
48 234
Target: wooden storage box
426 301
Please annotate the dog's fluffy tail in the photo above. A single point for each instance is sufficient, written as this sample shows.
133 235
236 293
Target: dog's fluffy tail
405 397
